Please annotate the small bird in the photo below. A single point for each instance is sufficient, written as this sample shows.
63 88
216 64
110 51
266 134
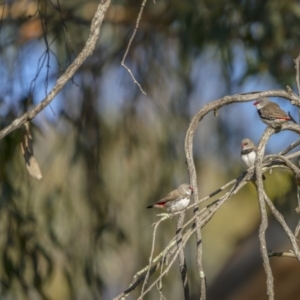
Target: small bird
248 153
176 200
271 114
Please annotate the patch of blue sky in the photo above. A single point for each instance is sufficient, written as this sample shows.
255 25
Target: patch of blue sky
30 70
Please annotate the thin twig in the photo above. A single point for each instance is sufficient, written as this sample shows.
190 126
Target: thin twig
152 251
288 163
169 265
282 254
279 217
297 229
181 258
290 147
129 45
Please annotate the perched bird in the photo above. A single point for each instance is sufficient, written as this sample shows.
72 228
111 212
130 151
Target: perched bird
248 153
271 114
176 200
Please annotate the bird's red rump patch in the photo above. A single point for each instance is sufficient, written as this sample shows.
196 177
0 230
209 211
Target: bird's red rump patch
255 103
161 204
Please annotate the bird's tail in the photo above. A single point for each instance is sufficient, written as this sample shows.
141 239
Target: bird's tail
292 119
150 206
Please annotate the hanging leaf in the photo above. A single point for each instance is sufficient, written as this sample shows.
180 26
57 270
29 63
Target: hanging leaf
27 151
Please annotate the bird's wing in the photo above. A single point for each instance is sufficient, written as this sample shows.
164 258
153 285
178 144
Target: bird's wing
170 197
273 110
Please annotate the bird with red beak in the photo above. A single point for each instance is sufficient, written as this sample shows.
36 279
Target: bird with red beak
176 200
248 153
271 114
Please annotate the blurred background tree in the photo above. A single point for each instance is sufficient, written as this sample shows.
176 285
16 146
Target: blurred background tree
107 151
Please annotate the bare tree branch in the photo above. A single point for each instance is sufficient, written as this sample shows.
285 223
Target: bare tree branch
282 254
290 148
297 66
264 218
280 219
181 257
297 229
152 251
